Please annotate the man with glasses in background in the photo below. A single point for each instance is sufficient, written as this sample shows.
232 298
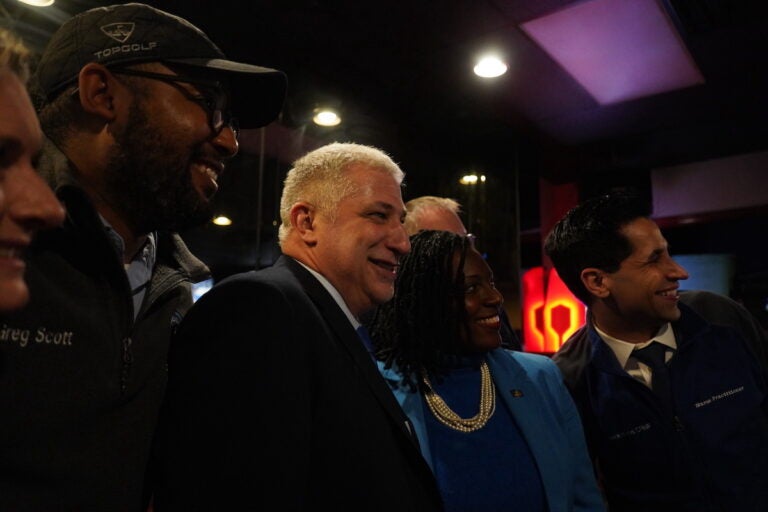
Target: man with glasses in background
136 107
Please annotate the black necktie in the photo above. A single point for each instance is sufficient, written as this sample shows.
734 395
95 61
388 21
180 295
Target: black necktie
654 356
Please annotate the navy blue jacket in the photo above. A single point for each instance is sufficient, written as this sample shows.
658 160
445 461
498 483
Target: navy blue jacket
712 455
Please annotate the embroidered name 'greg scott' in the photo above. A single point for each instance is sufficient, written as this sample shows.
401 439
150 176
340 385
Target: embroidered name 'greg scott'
40 335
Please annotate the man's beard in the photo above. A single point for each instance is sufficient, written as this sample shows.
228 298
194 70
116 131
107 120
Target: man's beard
149 178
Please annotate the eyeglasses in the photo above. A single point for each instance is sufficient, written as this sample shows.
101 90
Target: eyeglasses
213 98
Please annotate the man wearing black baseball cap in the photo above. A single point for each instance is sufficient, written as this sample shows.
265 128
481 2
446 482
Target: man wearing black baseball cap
137 106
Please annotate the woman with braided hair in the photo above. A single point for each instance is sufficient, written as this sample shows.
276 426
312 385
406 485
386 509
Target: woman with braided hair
498 427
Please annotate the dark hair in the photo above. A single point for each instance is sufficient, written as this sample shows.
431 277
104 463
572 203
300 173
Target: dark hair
589 235
61 115
57 118
419 329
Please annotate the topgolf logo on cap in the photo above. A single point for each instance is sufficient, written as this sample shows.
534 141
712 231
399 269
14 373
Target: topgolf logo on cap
120 32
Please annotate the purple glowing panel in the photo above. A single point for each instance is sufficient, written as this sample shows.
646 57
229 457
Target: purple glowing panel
617 49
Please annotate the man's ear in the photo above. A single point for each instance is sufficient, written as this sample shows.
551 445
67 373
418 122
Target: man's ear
304 221
97 88
595 282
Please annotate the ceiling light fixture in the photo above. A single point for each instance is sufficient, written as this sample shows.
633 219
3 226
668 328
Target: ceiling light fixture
630 50
38 3
326 117
222 220
472 179
490 67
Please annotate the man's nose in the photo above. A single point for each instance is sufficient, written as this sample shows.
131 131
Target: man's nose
31 202
399 241
678 271
226 142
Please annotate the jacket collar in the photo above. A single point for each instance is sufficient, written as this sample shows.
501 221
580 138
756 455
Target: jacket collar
345 333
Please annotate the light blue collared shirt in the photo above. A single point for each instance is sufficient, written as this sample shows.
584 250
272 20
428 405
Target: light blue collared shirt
139 270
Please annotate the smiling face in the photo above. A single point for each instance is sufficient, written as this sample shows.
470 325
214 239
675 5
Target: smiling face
642 295
358 250
26 202
164 167
482 302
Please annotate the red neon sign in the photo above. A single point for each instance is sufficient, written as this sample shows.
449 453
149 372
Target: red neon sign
551 313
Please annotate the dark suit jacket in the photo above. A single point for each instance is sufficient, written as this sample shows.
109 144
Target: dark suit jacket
273 400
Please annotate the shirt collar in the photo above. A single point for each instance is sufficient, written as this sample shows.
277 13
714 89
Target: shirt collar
335 294
623 349
146 253
114 237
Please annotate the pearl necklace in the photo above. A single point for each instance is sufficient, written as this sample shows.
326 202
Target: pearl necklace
450 419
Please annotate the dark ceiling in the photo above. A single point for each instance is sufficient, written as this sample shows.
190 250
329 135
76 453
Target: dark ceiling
401 74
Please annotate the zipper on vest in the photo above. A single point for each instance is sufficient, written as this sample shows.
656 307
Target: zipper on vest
127 360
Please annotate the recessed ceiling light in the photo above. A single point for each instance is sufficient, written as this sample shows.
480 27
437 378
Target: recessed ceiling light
222 220
38 3
326 117
490 67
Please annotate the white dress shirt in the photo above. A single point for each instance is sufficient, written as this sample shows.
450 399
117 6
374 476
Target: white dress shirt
623 351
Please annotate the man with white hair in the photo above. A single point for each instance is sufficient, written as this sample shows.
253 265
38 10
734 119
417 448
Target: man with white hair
273 397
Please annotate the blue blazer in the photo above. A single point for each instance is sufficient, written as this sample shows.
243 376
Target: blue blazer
532 389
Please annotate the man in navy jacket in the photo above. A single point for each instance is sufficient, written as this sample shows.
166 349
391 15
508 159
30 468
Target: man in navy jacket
708 449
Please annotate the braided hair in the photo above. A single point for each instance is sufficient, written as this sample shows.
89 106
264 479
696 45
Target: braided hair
419 329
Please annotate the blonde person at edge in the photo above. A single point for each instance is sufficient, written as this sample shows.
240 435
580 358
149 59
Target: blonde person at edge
26 202
498 427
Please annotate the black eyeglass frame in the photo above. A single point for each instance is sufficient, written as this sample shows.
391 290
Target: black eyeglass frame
214 104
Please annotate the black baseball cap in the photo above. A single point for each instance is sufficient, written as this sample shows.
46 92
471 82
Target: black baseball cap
132 33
